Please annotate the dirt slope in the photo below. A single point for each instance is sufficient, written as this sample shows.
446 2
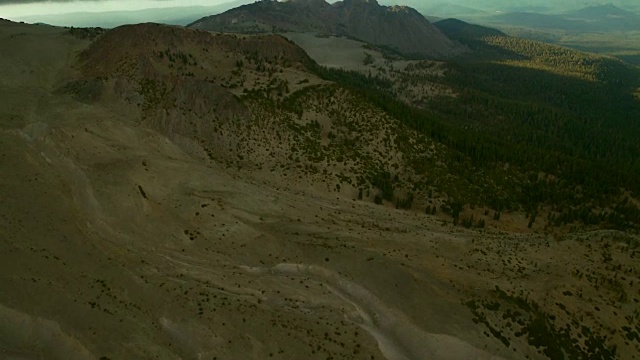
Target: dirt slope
152 208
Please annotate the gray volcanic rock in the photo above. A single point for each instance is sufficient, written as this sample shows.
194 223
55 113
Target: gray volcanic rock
398 27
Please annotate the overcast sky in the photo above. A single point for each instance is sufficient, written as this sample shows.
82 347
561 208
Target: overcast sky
17 8
33 10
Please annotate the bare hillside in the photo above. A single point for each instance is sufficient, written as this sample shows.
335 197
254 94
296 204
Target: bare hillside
192 195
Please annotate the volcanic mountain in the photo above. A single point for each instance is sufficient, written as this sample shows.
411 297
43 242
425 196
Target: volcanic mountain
398 27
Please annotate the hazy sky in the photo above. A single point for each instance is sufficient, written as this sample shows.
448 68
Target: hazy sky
17 8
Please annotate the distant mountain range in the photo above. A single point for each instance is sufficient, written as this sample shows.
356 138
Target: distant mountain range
593 18
570 15
398 27
600 11
458 7
182 15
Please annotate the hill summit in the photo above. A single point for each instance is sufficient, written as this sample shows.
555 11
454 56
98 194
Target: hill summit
398 27
458 29
596 12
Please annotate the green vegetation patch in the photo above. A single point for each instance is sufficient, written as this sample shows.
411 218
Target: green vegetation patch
526 318
521 137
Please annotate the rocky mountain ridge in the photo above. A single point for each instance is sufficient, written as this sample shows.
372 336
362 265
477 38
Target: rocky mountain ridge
398 27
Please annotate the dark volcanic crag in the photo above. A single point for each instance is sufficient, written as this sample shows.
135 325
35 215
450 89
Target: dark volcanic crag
398 27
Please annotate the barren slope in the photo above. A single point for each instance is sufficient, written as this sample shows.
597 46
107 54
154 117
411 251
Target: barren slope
153 206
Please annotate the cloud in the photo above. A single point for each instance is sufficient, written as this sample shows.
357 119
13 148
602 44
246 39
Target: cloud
24 2
21 2
18 9
97 2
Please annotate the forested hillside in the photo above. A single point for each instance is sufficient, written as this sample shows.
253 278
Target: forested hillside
564 124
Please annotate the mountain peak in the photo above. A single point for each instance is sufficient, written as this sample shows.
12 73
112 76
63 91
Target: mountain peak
599 11
400 28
